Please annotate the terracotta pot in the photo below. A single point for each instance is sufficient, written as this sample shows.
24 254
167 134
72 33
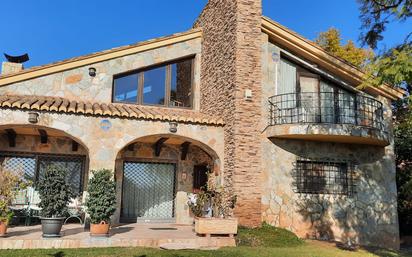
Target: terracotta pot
101 229
216 226
3 228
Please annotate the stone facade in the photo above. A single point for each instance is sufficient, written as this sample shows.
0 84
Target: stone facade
233 57
230 65
369 217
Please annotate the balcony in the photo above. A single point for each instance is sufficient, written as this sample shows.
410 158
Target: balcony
328 116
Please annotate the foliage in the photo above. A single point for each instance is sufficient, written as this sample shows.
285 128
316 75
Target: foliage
219 200
331 41
394 67
101 201
10 184
54 191
376 15
403 149
267 236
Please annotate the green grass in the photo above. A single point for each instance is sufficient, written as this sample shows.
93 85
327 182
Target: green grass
265 241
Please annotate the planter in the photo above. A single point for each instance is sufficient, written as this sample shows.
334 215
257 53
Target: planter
51 227
101 229
216 226
3 228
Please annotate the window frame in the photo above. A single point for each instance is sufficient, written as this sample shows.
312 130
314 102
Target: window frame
38 156
168 83
330 181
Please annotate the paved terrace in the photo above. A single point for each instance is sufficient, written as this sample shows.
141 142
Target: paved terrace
163 235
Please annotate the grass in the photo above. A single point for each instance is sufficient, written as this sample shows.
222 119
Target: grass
265 241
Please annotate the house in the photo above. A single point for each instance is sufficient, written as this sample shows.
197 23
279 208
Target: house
267 112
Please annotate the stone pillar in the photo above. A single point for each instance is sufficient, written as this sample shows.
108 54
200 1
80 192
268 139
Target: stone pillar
231 65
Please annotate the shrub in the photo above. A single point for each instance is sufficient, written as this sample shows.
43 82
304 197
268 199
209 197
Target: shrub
10 184
101 200
54 191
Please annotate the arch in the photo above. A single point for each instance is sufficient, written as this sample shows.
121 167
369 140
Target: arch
28 153
144 158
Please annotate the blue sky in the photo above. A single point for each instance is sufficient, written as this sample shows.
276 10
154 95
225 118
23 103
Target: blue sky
54 30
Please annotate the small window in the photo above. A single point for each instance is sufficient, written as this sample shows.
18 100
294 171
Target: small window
324 177
165 85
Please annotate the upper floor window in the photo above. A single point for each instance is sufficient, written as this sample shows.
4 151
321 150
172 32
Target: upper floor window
167 85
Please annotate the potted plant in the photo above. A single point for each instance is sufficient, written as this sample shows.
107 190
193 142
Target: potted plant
101 201
213 210
55 194
10 184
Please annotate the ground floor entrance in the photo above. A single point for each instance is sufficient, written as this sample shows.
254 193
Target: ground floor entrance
148 191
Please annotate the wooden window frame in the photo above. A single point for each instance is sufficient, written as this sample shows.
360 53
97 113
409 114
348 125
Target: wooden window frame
168 83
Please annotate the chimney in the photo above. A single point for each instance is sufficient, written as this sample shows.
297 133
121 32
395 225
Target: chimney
10 67
13 64
232 88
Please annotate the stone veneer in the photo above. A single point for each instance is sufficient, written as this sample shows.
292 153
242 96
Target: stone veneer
369 217
230 65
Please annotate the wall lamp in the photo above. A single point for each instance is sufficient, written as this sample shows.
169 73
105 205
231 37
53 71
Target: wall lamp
173 127
92 71
33 117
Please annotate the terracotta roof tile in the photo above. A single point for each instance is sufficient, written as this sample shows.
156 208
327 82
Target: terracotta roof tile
62 105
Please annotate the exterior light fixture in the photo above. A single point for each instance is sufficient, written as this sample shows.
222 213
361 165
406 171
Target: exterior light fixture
92 71
33 117
173 127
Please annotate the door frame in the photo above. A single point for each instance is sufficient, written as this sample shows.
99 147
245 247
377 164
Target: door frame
153 161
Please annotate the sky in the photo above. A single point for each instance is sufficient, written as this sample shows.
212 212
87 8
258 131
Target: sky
53 30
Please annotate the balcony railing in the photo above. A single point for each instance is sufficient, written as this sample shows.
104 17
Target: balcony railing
326 107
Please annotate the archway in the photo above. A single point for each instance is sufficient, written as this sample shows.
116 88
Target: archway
154 174
29 149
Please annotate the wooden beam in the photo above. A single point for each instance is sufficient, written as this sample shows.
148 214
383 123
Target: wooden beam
130 147
11 135
75 146
43 136
158 146
184 148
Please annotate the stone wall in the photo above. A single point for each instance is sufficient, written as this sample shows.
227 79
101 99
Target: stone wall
230 65
76 84
369 217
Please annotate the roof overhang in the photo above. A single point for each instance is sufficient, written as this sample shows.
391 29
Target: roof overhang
310 51
68 64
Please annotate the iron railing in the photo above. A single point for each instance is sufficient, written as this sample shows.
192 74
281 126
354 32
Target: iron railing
326 107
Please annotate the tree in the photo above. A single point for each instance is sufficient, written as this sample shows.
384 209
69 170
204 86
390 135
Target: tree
331 41
393 67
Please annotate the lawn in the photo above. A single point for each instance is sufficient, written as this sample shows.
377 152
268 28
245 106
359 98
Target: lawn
265 241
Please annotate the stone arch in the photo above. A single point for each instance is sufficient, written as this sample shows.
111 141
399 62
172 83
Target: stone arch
40 143
187 154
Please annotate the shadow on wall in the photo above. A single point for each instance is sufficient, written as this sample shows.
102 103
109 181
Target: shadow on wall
368 217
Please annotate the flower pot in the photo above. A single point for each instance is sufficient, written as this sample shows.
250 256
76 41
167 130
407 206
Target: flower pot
3 228
101 229
51 227
216 226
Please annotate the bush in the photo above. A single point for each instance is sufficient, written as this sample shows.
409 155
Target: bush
55 192
267 236
101 201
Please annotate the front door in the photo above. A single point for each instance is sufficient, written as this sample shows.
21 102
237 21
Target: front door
148 191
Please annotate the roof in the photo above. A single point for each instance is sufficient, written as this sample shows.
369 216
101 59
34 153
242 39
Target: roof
88 59
311 51
132 111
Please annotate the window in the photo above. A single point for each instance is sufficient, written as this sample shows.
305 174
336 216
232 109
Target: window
165 85
33 166
324 177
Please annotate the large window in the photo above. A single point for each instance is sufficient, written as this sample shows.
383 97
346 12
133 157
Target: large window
33 166
324 177
165 85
